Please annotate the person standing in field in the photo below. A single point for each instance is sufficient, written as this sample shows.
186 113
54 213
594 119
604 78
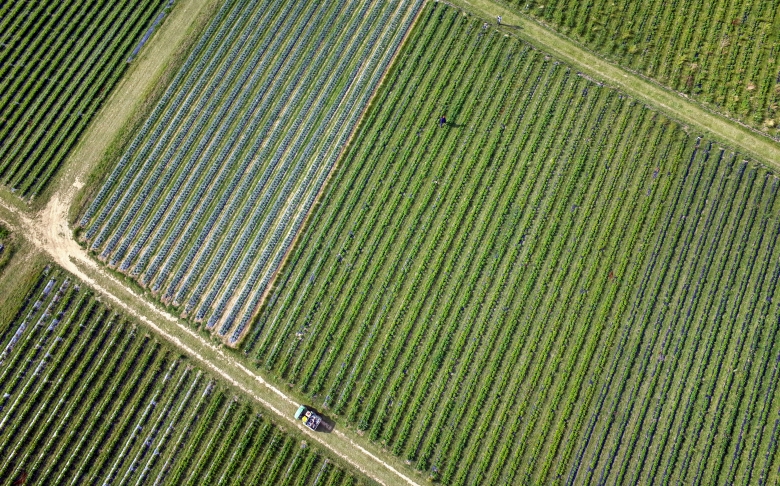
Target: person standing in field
499 20
442 121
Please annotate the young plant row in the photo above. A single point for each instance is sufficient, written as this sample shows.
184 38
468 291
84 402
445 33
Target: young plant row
205 204
90 398
521 294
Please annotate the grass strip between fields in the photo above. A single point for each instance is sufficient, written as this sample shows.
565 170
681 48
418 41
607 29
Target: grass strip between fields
50 238
686 112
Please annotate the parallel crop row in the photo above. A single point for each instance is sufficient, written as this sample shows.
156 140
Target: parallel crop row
206 203
558 285
723 53
89 398
57 64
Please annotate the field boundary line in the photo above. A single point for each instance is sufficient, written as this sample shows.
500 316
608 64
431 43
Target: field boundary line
682 110
318 199
655 82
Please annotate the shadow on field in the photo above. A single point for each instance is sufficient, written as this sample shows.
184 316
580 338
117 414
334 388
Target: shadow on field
327 425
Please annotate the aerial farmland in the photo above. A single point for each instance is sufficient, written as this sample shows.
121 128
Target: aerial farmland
479 242
206 202
724 54
60 61
89 397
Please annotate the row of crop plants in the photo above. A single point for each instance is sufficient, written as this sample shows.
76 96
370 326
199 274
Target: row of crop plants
90 398
724 53
528 294
6 246
58 62
205 204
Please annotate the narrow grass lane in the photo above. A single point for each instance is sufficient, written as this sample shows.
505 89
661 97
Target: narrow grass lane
671 104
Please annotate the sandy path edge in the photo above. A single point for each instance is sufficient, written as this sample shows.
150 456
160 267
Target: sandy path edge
679 108
49 232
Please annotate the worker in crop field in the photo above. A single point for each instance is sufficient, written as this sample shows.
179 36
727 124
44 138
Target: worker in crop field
499 20
442 121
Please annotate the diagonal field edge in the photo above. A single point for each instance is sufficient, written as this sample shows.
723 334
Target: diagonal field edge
48 231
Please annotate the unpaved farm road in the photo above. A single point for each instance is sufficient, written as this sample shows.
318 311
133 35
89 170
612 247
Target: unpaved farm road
49 232
678 107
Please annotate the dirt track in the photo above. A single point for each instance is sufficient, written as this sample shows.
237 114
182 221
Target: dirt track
677 106
49 232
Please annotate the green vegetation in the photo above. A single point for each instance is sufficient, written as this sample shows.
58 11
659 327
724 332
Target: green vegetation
90 398
6 246
20 274
560 284
58 62
725 54
123 115
205 204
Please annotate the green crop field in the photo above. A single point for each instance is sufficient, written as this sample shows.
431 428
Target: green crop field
724 53
6 246
472 257
211 194
58 62
560 285
90 398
